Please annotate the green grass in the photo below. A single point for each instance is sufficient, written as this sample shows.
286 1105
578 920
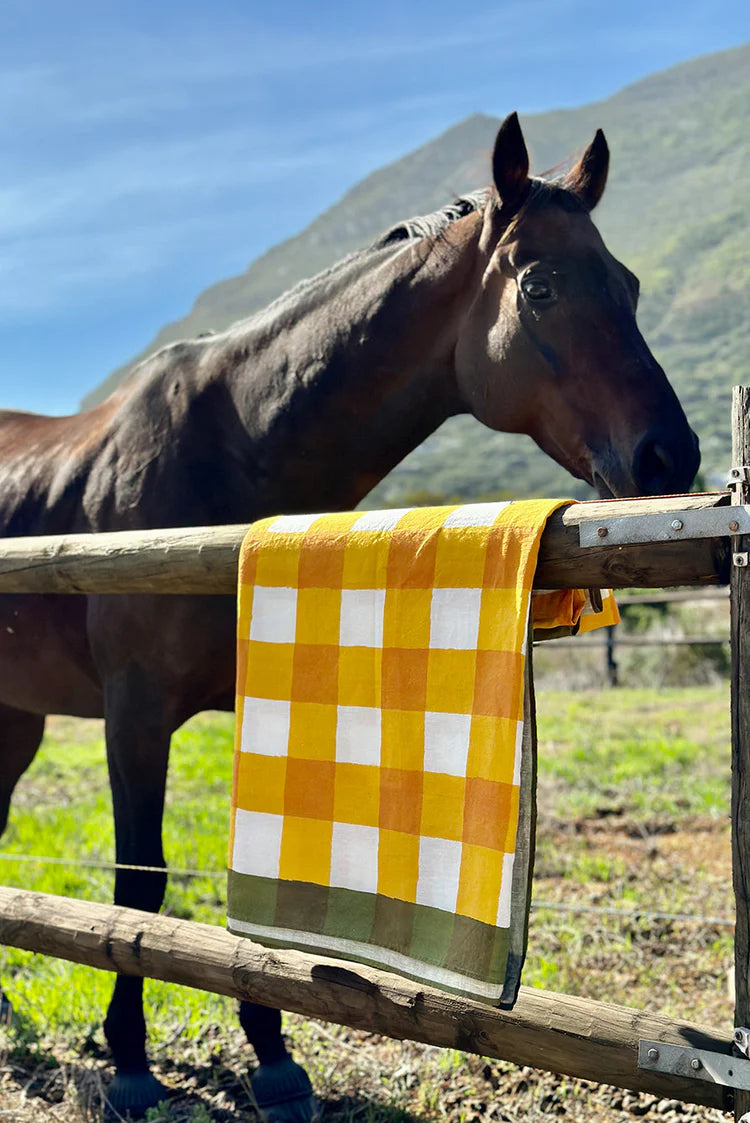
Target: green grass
63 809
641 754
638 752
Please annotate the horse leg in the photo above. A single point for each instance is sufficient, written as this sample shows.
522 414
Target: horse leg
20 736
281 1087
138 735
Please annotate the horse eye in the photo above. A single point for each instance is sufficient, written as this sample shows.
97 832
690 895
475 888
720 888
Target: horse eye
534 288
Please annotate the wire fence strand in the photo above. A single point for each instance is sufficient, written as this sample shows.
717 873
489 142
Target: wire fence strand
537 906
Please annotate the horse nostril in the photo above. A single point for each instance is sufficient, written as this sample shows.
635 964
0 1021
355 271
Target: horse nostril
654 468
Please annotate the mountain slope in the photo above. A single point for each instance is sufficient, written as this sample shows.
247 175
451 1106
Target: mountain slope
677 210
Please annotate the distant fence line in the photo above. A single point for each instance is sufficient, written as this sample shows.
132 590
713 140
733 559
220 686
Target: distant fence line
612 639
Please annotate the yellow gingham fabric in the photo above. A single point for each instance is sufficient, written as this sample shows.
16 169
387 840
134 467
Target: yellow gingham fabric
381 688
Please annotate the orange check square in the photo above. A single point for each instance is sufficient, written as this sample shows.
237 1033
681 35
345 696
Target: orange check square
321 563
315 676
411 560
400 800
499 684
487 810
505 557
404 684
309 788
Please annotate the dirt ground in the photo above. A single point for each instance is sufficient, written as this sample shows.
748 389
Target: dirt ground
662 964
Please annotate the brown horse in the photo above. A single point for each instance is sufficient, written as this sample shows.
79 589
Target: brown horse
507 304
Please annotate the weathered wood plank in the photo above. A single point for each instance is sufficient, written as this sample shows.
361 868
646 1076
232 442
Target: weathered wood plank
204 560
740 631
556 1032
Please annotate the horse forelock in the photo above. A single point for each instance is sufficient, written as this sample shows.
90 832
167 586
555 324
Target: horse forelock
543 193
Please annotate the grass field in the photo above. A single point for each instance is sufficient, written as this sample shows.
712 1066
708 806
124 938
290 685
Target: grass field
634 815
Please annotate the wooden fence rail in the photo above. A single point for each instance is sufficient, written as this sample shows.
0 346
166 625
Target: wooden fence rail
558 1032
561 1033
204 560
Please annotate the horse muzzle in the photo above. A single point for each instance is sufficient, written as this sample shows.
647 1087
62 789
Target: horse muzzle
660 465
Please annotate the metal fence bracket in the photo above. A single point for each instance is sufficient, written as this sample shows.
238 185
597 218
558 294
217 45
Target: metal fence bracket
697 1064
669 526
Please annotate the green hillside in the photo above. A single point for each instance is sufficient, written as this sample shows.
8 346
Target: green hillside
677 210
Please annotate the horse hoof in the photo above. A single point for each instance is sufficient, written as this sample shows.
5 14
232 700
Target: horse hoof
133 1094
283 1093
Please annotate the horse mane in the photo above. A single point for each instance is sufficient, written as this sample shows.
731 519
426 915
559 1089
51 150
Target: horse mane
393 241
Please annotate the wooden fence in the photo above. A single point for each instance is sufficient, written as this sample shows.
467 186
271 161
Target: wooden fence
570 1035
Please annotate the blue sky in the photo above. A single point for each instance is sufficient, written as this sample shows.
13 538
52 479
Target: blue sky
149 149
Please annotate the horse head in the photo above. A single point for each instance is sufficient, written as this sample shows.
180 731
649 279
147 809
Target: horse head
557 310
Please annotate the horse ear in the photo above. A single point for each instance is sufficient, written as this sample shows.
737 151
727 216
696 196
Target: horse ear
589 177
510 163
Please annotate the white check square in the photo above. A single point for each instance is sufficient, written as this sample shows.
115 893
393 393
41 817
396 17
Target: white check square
358 735
292 524
454 618
475 514
354 857
257 843
439 867
381 520
506 887
274 615
265 726
446 743
362 612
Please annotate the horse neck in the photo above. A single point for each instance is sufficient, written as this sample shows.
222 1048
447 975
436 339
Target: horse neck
338 391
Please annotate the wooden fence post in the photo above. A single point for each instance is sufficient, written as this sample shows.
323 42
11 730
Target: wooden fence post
740 627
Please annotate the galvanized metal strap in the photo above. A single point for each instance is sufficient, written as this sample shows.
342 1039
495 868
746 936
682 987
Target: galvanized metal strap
669 526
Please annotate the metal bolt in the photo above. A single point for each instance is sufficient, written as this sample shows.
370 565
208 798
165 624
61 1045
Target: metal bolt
740 559
602 532
734 526
695 1064
653 1054
677 524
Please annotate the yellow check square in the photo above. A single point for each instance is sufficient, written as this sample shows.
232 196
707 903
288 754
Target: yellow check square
460 559
359 676
479 883
398 865
318 613
306 850
269 670
443 806
402 744
356 797
498 618
277 562
492 748
312 730
260 783
407 618
450 681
